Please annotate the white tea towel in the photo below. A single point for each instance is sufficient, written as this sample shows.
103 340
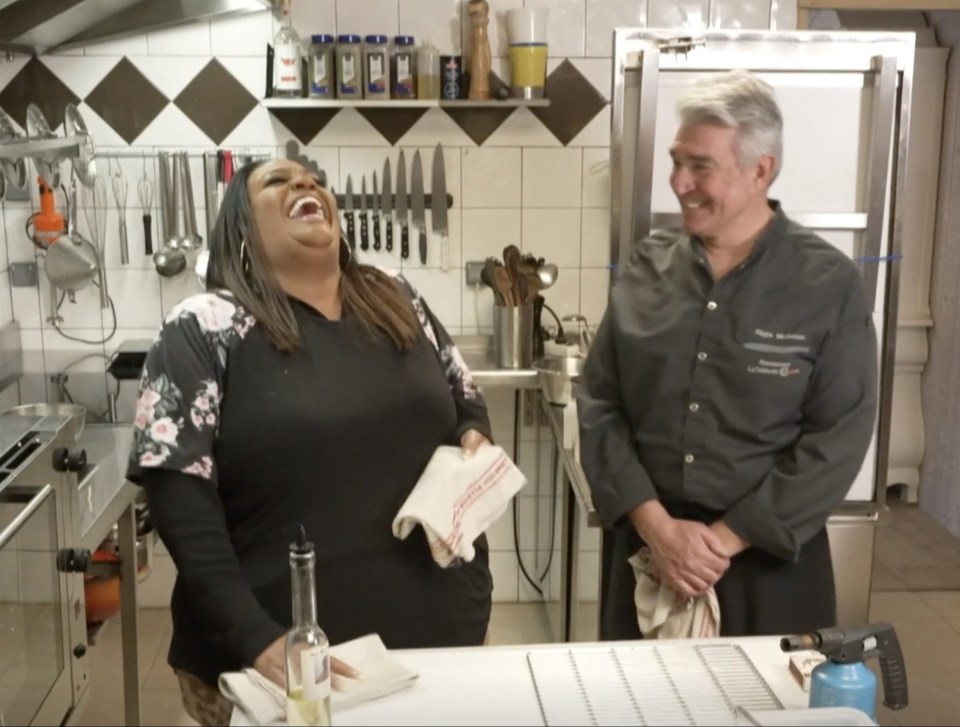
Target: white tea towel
264 703
457 499
662 613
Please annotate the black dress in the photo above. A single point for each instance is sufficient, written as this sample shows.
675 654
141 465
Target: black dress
333 437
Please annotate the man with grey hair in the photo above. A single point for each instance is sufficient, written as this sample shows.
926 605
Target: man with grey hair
730 395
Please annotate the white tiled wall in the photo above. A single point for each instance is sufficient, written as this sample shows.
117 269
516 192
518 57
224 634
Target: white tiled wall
520 187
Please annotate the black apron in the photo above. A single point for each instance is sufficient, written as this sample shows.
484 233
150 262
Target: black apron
759 595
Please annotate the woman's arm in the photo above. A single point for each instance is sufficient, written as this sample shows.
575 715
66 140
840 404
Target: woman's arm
471 406
189 518
173 458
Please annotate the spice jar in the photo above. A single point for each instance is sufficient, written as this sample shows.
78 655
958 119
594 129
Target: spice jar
349 67
322 67
402 72
376 68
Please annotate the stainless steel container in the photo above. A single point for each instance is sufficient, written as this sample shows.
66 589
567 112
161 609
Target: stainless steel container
513 336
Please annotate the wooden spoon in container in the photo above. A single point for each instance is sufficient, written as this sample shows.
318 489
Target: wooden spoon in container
505 285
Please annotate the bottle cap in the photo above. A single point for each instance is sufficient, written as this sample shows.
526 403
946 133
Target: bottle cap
348 39
324 38
376 39
404 40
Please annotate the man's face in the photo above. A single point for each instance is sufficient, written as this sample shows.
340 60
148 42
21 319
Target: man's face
714 192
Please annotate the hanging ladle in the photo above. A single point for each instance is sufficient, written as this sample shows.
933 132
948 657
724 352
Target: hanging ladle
168 260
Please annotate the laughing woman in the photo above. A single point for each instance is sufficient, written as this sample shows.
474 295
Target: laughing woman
302 387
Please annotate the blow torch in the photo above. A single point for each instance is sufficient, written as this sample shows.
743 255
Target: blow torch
843 680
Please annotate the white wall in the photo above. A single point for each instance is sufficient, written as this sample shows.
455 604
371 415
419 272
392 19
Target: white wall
520 187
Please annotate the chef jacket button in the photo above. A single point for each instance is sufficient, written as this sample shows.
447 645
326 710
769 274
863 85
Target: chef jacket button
688 459
694 407
712 305
701 356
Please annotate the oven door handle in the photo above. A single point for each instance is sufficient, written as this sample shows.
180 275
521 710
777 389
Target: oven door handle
35 503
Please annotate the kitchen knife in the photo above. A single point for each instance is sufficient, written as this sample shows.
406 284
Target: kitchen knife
348 212
402 207
417 202
388 204
438 206
376 215
364 234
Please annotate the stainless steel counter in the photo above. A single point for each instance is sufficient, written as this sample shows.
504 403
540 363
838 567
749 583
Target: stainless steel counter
107 498
568 458
104 498
477 352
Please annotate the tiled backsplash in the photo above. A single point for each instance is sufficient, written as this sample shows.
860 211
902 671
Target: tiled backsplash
535 178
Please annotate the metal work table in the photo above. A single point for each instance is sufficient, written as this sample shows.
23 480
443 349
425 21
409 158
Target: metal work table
571 465
478 354
106 499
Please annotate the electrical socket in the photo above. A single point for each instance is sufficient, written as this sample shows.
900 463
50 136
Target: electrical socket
472 269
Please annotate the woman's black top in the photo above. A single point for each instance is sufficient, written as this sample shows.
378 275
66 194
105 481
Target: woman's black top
237 444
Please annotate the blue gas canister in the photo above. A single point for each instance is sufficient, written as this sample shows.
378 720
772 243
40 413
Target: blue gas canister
843 680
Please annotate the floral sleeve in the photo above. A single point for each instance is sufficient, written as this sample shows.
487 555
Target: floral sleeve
181 386
471 406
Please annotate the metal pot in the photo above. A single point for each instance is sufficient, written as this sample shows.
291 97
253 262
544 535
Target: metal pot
74 412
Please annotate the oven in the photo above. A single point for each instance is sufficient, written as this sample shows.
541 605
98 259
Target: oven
43 641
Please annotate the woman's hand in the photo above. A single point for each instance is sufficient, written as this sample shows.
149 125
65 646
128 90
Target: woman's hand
271 663
471 441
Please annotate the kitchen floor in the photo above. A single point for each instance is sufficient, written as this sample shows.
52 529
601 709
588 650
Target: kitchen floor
916 587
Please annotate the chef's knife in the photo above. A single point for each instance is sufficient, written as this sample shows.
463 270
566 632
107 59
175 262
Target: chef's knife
376 215
388 203
402 207
417 202
364 235
348 212
438 206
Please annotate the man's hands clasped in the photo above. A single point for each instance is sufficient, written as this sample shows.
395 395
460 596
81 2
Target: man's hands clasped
688 556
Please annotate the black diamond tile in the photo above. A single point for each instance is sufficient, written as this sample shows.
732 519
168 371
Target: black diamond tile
480 123
392 123
574 101
127 101
215 101
35 83
305 124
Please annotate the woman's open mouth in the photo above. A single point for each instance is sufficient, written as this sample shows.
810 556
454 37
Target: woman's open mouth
308 209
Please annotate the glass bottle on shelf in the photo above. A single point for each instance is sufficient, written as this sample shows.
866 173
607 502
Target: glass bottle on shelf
428 72
288 79
307 647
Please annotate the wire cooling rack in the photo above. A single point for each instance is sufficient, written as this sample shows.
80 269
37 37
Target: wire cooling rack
640 685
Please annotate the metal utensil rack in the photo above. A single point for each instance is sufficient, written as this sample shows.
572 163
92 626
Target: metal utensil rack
47 150
640 685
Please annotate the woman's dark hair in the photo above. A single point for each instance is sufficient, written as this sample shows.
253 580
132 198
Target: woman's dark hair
373 298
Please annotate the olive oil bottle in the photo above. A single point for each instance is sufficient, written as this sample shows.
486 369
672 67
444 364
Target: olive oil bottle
307 647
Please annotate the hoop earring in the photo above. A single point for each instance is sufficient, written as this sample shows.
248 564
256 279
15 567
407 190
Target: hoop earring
346 254
244 257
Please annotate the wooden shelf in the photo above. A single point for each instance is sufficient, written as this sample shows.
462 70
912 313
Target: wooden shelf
310 103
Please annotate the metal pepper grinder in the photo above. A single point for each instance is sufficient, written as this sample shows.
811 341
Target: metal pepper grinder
480 62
